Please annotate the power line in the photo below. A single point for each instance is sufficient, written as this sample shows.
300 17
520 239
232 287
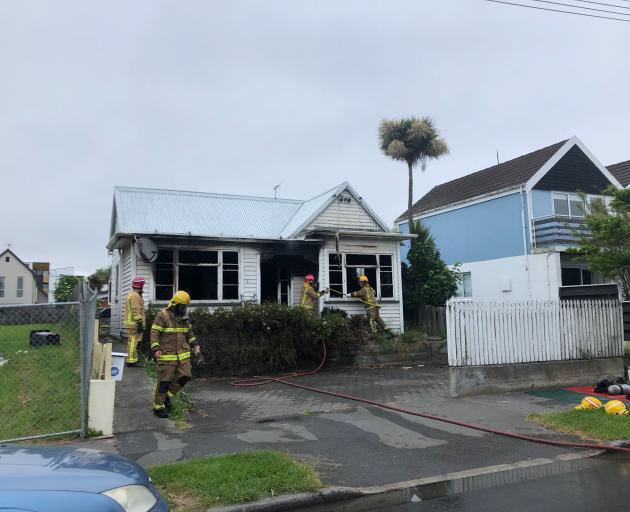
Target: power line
578 7
557 10
601 3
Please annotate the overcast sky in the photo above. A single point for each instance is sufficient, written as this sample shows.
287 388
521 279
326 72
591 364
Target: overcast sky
237 96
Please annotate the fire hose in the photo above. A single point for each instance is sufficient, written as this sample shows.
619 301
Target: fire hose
261 381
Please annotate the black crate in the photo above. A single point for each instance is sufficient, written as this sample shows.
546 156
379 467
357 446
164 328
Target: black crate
40 338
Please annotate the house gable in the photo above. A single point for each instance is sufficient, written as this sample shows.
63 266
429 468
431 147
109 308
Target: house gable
348 212
575 171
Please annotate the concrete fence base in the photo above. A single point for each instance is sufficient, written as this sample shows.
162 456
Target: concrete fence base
476 380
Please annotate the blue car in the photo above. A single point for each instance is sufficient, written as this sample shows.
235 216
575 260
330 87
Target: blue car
70 479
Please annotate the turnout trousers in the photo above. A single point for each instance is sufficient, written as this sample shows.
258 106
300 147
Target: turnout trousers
172 377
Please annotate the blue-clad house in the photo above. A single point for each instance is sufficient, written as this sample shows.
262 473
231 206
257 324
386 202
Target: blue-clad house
509 225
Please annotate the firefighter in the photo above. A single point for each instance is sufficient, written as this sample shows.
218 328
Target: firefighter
367 296
310 295
171 342
134 320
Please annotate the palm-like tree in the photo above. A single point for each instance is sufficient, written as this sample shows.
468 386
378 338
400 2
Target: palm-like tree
414 141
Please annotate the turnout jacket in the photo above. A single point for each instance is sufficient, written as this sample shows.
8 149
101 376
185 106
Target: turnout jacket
134 309
368 296
173 336
309 297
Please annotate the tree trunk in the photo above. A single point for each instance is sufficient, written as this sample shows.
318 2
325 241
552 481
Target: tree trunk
410 199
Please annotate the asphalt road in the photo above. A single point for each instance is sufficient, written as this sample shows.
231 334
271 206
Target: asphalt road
604 486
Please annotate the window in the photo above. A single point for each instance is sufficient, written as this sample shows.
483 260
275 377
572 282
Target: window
464 288
345 269
230 275
568 205
164 275
7 259
578 276
1 287
20 287
205 275
386 271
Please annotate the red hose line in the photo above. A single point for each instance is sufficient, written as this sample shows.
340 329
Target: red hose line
261 381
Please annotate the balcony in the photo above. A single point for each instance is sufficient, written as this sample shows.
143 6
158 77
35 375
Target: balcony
556 232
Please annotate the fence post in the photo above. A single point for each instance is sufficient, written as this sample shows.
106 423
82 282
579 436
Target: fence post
87 314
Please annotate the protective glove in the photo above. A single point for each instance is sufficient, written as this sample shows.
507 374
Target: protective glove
200 360
140 327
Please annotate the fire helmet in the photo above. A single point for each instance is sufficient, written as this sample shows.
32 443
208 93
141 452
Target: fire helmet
137 282
309 278
589 402
181 297
363 279
616 407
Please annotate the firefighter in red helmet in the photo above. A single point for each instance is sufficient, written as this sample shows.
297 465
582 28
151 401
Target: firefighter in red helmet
134 320
310 296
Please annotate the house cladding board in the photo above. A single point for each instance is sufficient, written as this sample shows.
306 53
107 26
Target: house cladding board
483 231
349 215
574 172
621 171
503 176
542 203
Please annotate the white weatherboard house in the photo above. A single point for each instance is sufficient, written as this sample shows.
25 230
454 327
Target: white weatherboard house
226 249
17 281
510 225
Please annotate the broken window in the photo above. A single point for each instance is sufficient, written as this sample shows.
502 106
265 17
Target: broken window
205 275
230 275
344 271
164 275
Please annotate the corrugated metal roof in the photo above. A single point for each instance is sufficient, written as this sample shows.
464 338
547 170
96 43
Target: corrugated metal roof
174 212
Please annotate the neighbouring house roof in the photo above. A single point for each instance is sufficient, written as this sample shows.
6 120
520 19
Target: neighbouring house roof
621 171
503 176
18 260
173 212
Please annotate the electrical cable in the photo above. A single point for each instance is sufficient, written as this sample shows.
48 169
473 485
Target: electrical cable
261 381
577 7
602 3
556 10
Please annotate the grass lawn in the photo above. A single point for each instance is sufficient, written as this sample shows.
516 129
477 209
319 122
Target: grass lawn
595 425
197 484
39 387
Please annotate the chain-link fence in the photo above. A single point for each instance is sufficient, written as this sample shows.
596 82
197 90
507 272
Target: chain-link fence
44 349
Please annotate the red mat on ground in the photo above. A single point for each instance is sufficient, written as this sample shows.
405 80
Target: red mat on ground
588 390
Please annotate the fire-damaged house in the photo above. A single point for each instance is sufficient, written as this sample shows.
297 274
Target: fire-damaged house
227 250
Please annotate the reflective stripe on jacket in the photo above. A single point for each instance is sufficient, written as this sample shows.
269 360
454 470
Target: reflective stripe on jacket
172 336
309 297
367 295
134 309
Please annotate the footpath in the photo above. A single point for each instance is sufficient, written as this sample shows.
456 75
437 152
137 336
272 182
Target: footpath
350 444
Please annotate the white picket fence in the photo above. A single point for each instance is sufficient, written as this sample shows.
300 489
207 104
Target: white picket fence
487 333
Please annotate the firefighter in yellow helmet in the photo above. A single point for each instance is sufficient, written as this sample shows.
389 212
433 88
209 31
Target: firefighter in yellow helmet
172 340
134 320
310 296
367 296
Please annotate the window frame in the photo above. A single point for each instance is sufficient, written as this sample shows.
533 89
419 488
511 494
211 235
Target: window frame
2 286
176 265
461 286
571 196
377 267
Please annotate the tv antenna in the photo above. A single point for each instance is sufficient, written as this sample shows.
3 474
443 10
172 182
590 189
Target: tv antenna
275 190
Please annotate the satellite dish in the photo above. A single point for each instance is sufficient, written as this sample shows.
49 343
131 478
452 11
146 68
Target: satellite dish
146 250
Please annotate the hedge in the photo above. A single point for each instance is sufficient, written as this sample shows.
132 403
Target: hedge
269 338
